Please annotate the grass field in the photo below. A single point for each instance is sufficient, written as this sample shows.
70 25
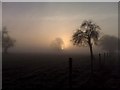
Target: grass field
41 71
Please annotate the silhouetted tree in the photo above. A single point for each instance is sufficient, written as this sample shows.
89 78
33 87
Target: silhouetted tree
57 44
7 41
109 43
87 35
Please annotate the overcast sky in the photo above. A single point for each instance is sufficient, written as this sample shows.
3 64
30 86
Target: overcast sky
36 25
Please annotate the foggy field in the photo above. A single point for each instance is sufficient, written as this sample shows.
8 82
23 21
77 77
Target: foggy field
24 71
59 45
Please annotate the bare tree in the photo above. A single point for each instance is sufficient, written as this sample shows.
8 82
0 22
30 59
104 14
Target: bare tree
105 43
7 41
58 44
87 35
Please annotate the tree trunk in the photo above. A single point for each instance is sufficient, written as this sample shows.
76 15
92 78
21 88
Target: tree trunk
91 53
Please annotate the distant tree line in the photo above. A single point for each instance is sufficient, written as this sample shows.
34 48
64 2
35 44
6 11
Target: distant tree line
7 41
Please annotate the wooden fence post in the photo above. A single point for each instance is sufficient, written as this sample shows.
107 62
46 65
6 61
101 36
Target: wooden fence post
70 72
104 58
99 60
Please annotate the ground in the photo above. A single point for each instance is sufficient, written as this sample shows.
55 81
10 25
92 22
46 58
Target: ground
33 71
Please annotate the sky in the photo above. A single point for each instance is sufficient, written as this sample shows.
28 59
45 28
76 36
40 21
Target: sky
60 0
0 15
35 25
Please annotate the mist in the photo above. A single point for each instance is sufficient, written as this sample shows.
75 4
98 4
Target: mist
35 26
57 44
109 43
43 55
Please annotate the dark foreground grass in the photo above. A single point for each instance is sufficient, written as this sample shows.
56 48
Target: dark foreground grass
42 71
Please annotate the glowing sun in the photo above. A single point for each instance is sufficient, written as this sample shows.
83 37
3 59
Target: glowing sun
62 47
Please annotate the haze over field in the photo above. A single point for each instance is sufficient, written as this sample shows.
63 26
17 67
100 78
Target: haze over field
45 39
36 25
